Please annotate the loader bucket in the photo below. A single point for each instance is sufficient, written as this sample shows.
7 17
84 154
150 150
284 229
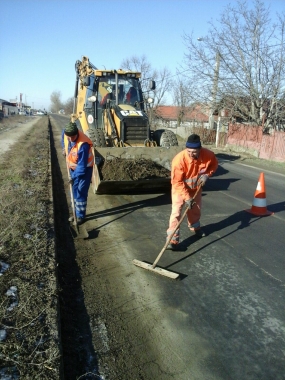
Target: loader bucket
158 156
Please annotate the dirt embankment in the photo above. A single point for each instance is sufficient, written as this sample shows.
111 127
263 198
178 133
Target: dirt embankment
13 128
8 123
42 315
30 346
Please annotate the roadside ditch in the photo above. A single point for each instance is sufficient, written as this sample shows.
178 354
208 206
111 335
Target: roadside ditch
42 314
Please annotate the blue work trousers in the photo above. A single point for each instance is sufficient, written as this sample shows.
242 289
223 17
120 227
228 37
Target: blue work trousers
80 189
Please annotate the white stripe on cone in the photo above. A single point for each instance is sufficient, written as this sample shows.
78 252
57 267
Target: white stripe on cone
259 202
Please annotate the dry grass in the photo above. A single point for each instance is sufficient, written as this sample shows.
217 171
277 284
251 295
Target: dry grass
29 338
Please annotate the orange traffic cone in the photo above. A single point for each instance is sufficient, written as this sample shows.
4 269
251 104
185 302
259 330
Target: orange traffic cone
258 207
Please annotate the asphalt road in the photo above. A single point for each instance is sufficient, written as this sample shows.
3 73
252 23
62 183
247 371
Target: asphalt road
224 319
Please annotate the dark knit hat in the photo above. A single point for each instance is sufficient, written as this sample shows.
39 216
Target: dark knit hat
71 129
193 142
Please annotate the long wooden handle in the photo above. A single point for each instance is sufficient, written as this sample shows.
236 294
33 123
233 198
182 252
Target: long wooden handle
72 198
171 235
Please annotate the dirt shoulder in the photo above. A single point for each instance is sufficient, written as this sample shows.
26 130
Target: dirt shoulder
13 128
30 344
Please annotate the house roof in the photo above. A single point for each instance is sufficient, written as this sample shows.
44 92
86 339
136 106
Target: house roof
7 103
189 114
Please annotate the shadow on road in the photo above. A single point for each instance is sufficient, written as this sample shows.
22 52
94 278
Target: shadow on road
242 216
160 200
215 184
245 218
124 210
228 157
276 207
220 171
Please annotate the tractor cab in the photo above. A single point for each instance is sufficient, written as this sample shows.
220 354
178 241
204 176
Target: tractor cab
114 104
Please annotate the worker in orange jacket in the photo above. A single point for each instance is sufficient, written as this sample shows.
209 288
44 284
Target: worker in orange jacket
77 148
190 168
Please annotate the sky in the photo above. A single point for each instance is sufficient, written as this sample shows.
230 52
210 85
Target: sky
42 39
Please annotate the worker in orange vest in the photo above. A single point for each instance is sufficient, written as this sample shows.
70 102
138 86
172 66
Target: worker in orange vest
77 148
190 168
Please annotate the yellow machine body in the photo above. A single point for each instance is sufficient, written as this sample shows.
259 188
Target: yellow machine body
110 108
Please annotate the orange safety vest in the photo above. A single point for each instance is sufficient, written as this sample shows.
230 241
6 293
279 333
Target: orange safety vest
72 157
186 171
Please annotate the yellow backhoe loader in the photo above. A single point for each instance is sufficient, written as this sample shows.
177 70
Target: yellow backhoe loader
110 108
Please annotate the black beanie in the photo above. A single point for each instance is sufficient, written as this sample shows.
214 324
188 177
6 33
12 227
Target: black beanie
71 129
193 142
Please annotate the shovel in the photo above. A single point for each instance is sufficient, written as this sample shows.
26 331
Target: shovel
77 233
152 267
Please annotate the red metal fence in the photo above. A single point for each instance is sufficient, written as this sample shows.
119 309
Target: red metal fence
249 139
252 140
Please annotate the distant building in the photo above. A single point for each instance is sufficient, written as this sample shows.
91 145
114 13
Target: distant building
173 116
8 108
186 120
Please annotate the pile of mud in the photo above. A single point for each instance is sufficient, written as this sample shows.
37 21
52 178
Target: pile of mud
119 169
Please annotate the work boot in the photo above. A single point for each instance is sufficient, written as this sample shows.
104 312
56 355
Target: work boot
200 233
172 247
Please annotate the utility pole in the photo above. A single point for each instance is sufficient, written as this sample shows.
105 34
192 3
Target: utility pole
218 131
215 90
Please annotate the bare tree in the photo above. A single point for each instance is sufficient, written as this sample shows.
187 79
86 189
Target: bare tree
240 65
181 95
68 106
162 77
56 103
141 65
164 85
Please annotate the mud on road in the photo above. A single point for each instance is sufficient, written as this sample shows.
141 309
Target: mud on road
122 322
102 326
101 336
119 169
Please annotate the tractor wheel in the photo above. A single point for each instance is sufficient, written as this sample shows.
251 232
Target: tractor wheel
165 138
97 137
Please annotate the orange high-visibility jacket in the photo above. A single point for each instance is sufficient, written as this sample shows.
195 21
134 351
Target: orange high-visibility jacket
186 171
72 156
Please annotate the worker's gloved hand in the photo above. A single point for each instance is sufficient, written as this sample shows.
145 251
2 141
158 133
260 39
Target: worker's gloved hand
203 179
70 181
190 202
63 152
